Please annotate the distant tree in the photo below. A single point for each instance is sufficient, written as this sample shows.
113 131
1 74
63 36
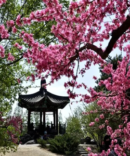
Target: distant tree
95 122
74 126
47 119
18 111
114 61
36 118
60 118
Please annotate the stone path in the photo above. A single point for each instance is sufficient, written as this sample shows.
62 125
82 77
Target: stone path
35 150
30 150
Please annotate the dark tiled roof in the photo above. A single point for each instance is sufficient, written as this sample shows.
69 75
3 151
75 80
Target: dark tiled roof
43 99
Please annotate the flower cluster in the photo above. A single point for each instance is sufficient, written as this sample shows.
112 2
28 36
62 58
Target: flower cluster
3 32
16 123
17 46
10 57
2 2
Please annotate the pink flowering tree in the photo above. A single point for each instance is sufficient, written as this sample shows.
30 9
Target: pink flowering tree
80 33
10 130
95 122
13 67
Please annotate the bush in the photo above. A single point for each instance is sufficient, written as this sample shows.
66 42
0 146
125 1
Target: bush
64 144
42 142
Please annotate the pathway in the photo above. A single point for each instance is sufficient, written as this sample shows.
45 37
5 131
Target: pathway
30 150
35 150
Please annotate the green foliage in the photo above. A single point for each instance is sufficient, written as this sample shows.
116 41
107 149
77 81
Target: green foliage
11 72
64 144
9 134
95 132
42 142
19 69
74 126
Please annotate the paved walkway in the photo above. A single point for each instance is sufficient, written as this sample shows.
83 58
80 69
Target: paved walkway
35 150
30 150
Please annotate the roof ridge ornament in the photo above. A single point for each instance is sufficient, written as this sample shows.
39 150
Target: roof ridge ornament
43 83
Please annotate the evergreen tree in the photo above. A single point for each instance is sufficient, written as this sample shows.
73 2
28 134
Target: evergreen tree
109 60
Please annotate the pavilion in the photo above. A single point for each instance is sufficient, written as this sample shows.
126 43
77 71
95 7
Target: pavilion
43 101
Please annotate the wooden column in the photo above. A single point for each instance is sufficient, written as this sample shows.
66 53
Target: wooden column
44 118
40 118
57 121
29 112
54 119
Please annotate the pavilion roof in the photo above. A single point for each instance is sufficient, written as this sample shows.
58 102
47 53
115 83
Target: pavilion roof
43 100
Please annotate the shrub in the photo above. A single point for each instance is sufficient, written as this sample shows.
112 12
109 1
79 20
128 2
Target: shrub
64 144
42 142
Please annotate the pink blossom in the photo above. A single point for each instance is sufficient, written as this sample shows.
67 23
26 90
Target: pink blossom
26 21
120 126
2 28
18 80
10 23
94 77
97 119
88 149
106 121
92 124
4 33
100 127
2 50
17 46
18 20
14 30
33 77
2 1
109 130
28 78
128 126
11 57
102 116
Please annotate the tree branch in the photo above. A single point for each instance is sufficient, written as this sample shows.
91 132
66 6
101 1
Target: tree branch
116 34
14 61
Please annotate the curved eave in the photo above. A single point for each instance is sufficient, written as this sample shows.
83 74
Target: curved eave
39 99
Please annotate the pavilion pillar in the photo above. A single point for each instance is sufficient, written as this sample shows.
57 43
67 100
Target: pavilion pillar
54 119
57 121
44 118
29 113
40 118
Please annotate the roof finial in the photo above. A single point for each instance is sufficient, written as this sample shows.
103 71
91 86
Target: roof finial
43 83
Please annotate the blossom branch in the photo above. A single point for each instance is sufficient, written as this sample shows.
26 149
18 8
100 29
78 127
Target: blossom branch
14 61
116 34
